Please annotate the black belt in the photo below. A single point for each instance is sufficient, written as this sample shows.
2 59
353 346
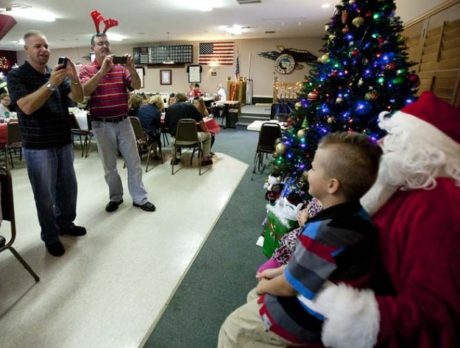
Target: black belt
110 119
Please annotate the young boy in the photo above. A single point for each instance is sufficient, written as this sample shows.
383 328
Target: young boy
337 245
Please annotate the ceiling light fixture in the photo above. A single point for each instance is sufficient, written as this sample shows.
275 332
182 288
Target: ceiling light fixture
325 5
30 13
234 29
205 8
115 37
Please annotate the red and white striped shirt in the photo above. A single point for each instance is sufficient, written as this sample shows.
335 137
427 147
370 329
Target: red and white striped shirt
110 98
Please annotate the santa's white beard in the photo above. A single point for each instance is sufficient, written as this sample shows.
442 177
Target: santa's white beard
378 194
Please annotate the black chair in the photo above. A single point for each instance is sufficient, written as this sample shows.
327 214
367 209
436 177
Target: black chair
269 132
13 143
187 137
144 142
7 208
164 136
85 135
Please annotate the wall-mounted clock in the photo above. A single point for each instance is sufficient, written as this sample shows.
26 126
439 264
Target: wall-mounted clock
285 64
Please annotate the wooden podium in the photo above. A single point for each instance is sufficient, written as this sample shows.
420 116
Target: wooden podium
236 91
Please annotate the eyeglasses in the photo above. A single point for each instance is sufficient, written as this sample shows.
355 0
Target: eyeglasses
103 43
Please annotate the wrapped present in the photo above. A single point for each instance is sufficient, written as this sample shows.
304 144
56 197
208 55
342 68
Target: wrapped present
281 218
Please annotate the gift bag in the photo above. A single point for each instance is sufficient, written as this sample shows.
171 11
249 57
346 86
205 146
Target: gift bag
281 218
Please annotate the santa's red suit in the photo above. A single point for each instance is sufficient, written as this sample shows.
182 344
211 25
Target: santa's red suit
416 302
420 252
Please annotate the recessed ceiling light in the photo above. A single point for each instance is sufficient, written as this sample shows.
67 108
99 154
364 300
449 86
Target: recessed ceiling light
206 8
32 14
234 29
325 5
115 37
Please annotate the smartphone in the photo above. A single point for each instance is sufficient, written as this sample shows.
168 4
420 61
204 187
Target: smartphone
119 59
62 61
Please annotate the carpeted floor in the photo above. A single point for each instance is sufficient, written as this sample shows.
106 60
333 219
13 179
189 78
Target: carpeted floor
224 270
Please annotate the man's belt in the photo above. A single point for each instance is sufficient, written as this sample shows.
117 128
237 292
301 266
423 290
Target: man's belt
110 119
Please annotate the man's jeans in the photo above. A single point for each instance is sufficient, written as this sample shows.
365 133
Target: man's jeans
53 180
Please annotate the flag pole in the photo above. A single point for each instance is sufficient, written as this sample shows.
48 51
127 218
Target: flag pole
249 66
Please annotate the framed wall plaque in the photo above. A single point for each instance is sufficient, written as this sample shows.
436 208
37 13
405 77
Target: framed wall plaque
166 77
140 71
194 73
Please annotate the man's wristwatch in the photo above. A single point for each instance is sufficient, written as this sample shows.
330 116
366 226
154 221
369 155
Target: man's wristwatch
50 87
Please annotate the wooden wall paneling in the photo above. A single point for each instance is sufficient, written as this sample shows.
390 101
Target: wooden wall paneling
433 43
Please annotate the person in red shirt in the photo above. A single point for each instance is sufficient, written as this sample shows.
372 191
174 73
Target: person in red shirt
108 83
415 204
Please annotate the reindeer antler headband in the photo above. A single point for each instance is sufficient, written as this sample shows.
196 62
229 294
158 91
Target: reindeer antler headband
108 23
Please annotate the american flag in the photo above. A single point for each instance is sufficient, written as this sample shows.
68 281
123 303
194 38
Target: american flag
219 53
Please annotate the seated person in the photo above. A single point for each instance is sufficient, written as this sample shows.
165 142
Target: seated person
415 203
172 99
181 109
221 94
150 117
338 244
134 103
198 102
195 91
5 106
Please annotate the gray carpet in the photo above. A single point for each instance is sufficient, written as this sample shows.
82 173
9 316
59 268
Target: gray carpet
224 270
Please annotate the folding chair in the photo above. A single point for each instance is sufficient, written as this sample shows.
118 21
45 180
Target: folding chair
269 132
164 136
144 142
13 142
7 209
187 137
85 135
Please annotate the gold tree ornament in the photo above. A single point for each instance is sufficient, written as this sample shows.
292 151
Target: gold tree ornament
372 95
280 149
324 58
358 21
301 133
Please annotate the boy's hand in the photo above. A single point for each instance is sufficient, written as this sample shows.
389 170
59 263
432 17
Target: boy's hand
302 217
270 273
260 288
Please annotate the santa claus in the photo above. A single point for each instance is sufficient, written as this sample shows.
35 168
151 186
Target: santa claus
416 205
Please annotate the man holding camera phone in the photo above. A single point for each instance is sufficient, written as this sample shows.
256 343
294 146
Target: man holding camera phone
108 83
41 97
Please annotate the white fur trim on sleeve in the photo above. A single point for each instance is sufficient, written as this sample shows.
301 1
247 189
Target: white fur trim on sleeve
352 317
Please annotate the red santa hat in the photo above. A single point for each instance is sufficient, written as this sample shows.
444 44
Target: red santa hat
434 121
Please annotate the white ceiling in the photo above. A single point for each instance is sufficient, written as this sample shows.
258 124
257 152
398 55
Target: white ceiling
144 21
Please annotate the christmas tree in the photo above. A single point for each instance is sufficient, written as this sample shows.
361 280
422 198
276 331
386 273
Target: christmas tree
364 70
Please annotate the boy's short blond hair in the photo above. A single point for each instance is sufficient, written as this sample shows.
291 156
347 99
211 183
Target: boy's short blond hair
353 160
